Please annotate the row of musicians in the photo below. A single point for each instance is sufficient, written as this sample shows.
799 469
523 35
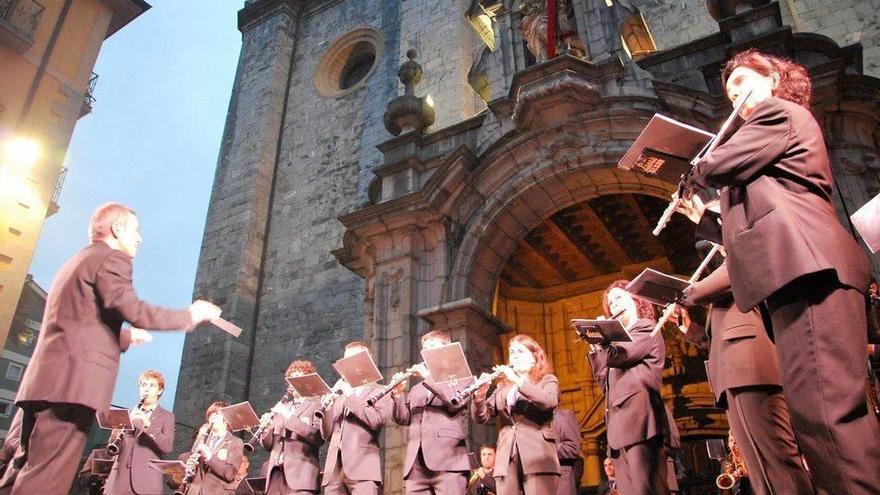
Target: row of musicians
525 398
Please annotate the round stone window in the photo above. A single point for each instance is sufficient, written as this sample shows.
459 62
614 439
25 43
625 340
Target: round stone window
348 63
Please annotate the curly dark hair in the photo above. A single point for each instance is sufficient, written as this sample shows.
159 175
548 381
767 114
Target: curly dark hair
794 80
644 308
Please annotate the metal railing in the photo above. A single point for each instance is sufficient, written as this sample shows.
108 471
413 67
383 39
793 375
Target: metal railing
23 15
89 96
59 183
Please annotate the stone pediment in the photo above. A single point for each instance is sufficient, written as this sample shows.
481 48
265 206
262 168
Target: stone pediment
550 92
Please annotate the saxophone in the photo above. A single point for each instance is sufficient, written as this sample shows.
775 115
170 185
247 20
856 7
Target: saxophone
733 468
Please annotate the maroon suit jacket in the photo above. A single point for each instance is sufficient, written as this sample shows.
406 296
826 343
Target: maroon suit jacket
779 218
630 373
568 446
740 351
527 425
297 443
353 429
217 476
138 448
434 425
77 355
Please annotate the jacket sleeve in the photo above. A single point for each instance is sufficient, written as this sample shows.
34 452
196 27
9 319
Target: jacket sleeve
445 394
544 394
761 140
328 420
568 443
113 287
305 431
401 413
715 286
628 354
484 410
599 364
161 434
373 416
226 469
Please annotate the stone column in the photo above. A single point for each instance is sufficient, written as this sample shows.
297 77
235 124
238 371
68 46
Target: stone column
214 365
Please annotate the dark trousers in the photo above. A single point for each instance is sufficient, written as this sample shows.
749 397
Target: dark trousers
759 420
53 437
820 332
641 468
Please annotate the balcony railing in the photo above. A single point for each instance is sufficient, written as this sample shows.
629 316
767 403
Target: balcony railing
89 96
22 16
53 203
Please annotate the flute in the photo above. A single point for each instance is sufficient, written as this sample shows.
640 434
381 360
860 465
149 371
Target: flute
394 383
468 391
709 148
670 308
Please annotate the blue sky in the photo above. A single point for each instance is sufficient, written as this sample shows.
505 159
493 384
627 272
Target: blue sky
151 142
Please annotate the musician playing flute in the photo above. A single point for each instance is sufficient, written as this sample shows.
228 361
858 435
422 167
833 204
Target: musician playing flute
293 438
152 438
525 398
436 459
219 455
787 247
630 373
353 427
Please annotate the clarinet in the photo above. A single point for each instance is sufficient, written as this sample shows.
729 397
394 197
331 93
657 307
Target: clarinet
394 383
250 445
115 441
468 391
192 463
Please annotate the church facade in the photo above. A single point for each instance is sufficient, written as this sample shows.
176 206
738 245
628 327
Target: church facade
393 167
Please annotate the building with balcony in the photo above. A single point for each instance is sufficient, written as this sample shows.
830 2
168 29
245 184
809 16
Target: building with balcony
48 50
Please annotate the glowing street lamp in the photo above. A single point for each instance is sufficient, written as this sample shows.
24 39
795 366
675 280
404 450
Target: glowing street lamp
21 153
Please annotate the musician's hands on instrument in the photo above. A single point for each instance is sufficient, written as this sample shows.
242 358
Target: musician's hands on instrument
344 387
401 387
682 318
511 375
205 452
480 393
141 417
692 207
421 370
140 336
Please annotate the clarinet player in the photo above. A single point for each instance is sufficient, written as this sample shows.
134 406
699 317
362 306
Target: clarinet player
152 438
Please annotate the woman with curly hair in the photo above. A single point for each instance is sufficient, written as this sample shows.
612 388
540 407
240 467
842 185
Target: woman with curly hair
630 374
526 459
787 248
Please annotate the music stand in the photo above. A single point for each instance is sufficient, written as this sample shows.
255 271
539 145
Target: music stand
715 449
866 220
311 385
657 287
358 370
256 486
600 331
447 363
240 416
175 469
114 419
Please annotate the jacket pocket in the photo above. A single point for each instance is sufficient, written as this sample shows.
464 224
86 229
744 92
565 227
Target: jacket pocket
101 359
448 433
549 435
739 332
617 401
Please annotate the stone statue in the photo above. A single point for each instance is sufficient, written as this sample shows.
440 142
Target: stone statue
534 29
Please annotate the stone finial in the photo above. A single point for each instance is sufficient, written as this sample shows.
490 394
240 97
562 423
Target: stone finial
410 73
408 112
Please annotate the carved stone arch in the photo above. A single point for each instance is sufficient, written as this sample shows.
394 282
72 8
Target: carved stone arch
493 231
